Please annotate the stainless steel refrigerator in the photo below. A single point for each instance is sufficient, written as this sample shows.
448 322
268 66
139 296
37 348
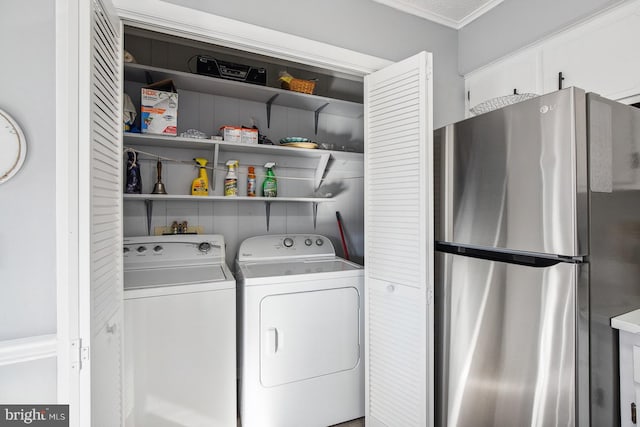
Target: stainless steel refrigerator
537 247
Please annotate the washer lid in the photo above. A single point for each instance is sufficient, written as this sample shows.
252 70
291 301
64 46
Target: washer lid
289 268
156 277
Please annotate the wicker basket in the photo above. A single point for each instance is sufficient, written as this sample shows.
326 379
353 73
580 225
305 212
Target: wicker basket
299 85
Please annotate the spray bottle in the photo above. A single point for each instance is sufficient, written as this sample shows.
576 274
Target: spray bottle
270 185
200 185
231 180
251 182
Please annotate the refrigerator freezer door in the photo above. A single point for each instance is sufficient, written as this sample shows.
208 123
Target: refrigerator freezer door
516 178
508 350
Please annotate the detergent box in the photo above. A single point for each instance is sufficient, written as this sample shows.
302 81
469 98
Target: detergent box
159 110
249 136
231 133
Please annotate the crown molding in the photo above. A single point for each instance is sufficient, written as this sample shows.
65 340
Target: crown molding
438 18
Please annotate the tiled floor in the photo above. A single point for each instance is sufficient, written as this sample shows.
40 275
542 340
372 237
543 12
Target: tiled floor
355 423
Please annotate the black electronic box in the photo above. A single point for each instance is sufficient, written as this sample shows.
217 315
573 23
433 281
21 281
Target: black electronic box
228 70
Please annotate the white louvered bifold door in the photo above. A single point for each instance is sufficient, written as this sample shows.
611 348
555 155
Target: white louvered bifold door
100 158
399 244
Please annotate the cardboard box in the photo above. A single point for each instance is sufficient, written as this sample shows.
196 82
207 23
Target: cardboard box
159 110
231 133
249 136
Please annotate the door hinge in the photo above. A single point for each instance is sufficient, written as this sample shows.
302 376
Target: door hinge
79 354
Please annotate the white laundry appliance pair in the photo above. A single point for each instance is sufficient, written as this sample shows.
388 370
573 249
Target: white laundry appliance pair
180 332
301 328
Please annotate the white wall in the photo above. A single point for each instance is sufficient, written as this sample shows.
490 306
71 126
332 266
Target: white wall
514 24
27 201
27 230
363 26
28 382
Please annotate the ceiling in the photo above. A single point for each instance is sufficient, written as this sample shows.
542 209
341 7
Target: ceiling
452 13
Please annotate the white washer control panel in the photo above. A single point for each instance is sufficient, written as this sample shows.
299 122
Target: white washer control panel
277 246
172 250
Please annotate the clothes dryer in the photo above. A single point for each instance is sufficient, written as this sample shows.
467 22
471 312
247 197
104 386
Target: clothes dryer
301 352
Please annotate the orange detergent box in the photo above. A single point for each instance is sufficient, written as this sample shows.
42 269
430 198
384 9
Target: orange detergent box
249 136
231 133
159 112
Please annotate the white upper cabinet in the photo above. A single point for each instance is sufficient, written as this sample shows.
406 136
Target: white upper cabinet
520 73
600 56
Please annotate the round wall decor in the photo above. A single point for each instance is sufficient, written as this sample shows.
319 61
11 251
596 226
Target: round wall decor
13 147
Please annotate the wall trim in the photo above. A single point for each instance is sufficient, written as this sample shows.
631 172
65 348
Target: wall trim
478 13
410 8
66 23
198 25
630 99
27 349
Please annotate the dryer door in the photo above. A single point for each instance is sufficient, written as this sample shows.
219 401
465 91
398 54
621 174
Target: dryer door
308 334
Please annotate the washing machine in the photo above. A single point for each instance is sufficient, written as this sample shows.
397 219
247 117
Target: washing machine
180 332
301 328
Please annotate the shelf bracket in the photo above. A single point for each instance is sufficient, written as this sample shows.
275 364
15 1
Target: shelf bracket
269 102
149 204
323 161
317 115
147 77
216 155
315 214
267 206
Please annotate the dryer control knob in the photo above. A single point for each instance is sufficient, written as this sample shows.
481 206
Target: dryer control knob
125 250
319 242
204 247
288 242
308 242
141 249
157 249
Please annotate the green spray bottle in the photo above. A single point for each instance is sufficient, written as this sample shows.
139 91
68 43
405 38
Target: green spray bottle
270 185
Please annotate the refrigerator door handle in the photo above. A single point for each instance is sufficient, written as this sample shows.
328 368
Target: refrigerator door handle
510 257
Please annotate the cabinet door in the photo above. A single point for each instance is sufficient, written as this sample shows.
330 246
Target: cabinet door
600 56
521 72
100 215
399 244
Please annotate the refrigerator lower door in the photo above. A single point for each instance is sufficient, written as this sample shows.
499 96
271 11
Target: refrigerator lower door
511 344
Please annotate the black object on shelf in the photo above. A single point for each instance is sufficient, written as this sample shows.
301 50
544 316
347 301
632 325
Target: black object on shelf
209 66
134 181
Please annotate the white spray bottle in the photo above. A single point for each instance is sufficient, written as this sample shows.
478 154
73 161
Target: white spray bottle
231 180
